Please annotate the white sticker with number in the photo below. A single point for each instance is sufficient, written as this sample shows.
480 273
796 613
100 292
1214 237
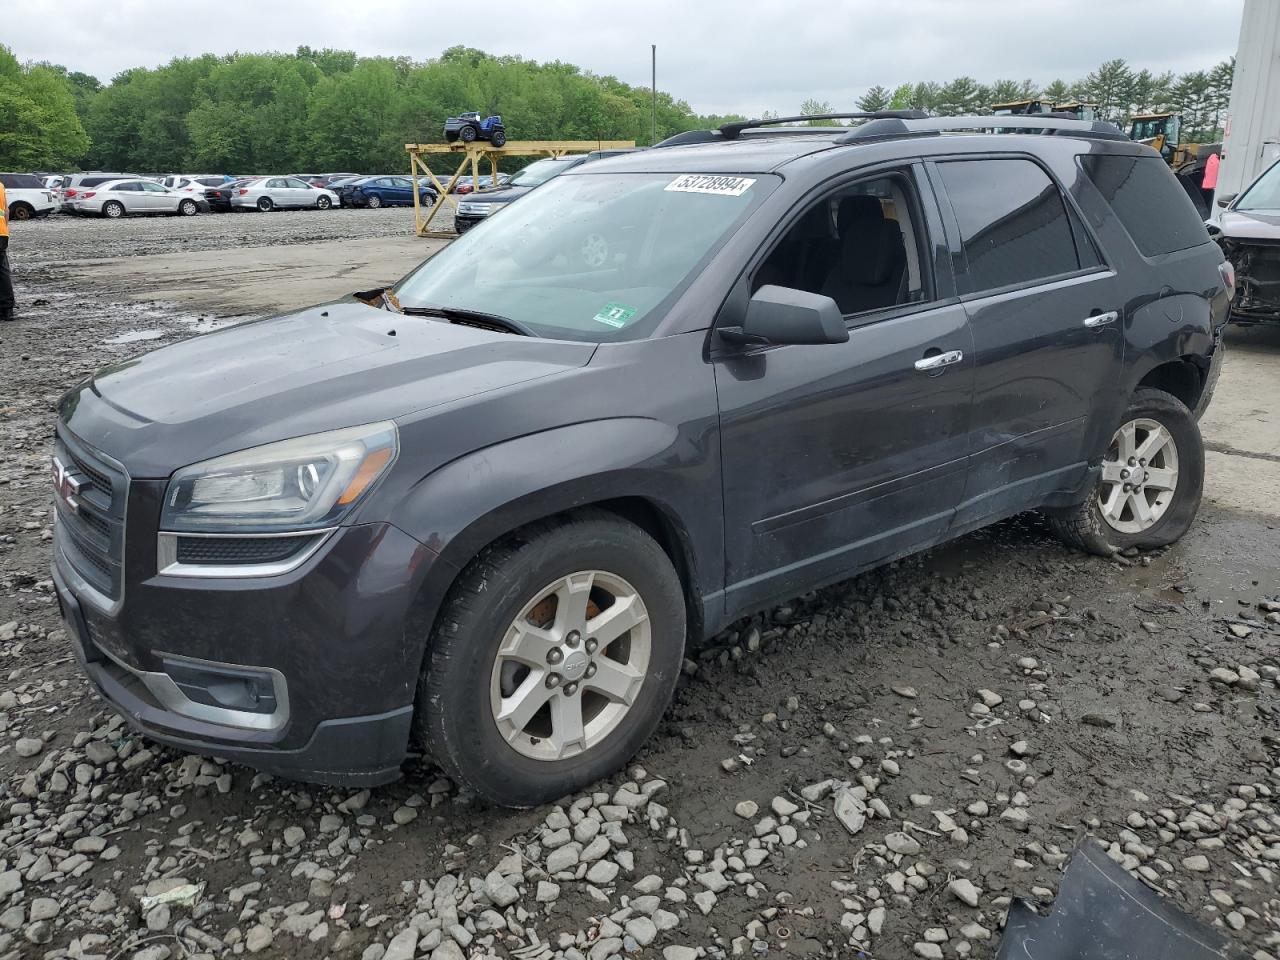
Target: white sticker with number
711 183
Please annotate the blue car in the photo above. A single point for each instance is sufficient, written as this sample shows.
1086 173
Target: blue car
388 191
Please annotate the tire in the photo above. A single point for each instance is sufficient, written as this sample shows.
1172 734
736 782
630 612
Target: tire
1089 526
188 208
468 134
498 139
113 209
265 204
21 211
463 686
323 203
374 201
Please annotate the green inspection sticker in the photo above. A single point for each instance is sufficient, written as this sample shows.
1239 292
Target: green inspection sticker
615 314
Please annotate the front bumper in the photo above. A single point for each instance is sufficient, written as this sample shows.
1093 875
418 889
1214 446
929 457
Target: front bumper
463 224
327 643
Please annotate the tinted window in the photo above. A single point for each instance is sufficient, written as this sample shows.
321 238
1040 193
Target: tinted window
1013 222
1146 197
131 187
21 181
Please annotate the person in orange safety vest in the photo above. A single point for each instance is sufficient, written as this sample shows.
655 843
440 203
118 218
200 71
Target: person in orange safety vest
6 281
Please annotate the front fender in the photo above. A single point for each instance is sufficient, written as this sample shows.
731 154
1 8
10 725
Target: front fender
468 503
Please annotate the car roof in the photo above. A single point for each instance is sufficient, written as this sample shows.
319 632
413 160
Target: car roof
746 155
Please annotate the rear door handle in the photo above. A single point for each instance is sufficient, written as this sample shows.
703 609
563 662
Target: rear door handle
939 360
1102 319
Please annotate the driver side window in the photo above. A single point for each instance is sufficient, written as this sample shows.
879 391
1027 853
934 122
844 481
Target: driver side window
860 245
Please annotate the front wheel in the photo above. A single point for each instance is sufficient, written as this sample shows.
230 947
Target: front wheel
498 138
1150 485
553 659
323 203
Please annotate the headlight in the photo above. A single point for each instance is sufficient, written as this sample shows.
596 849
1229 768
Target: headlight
300 484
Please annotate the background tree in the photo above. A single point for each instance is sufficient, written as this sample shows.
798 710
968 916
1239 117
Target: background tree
877 98
812 106
1059 91
39 129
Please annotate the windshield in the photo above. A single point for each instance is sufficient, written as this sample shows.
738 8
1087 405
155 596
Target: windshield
590 257
1264 193
540 171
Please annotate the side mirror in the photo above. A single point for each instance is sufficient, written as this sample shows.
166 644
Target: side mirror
783 315
1226 199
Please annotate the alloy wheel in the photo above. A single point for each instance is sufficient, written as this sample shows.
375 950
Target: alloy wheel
570 665
1139 476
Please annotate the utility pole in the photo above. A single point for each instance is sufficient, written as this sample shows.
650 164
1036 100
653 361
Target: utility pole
653 50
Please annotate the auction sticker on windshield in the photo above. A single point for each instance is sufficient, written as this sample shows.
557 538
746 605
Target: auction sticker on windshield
711 183
615 315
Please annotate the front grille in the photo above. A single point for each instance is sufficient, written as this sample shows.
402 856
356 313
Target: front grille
240 550
91 534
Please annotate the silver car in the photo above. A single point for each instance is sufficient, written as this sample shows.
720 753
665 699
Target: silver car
116 198
268 193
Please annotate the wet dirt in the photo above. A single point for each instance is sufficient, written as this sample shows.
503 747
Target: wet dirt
1109 721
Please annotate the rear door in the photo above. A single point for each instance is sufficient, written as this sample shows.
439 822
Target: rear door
841 456
1047 322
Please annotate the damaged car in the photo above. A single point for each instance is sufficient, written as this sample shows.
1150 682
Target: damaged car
1248 231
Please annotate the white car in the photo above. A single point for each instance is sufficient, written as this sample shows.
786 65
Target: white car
267 193
117 198
27 197
194 184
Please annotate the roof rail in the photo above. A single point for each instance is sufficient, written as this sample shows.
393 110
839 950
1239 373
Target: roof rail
731 131
1044 123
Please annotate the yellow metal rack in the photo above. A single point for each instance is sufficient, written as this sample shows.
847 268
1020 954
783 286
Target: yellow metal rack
472 154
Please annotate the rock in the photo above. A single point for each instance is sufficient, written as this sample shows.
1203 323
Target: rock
404 815
679 953
990 698
403 945
548 892
293 836
929 951
501 892
714 881
875 920
643 930
1239 630
28 746
902 843
1221 675
978 808
43 908
907 692
704 900
448 950
747 809
562 859
99 753
964 890
10 882
783 807
1197 864
602 872
258 939
850 810
1105 720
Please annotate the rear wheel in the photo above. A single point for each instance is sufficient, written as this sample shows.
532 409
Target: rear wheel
21 211
265 204
188 208
552 660
467 133
374 201
113 209
1150 485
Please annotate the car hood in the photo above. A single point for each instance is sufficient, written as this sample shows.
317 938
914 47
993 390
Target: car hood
330 366
501 195
1250 225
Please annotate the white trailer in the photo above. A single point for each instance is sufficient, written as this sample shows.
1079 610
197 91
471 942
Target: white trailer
1252 131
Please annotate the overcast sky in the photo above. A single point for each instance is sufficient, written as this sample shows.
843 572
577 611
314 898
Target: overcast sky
720 55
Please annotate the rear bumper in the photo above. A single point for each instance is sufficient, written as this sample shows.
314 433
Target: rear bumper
1211 376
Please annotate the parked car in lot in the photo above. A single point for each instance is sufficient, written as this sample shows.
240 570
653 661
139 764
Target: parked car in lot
1248 230
220 196
488 508
78 183
384 191
119 198
27 197
267 193
477 206
473 184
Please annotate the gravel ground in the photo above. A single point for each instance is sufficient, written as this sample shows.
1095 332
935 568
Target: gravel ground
871 770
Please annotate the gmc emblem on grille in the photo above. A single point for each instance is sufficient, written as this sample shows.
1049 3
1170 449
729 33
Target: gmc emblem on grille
67 484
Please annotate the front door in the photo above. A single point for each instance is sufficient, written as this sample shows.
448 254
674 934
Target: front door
841 456
1047 327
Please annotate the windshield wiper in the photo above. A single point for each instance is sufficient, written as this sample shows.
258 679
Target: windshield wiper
472 318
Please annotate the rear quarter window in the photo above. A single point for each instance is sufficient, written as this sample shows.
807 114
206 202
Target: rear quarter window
21 181
1147 199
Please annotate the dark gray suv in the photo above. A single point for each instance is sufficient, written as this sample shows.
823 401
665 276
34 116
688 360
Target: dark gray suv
486 509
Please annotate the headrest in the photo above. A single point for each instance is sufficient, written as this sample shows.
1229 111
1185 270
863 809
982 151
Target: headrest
870 246
855 209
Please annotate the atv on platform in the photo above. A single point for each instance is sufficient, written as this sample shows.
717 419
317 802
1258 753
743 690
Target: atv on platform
469 127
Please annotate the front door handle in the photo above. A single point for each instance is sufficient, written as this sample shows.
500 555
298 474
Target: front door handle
938 360
1102 319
